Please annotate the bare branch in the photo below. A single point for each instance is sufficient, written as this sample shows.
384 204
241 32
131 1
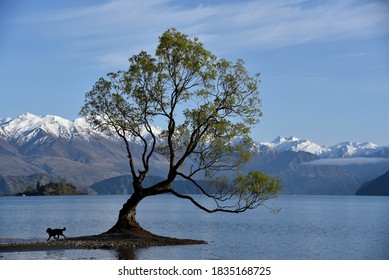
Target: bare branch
218 209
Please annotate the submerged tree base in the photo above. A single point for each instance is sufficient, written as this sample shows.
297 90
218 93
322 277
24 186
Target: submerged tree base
107 241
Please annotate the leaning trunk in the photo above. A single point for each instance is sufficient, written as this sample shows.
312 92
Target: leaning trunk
126 222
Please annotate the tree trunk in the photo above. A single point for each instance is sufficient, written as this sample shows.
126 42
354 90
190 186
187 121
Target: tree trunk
126 222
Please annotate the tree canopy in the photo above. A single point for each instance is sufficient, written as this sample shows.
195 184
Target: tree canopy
208 105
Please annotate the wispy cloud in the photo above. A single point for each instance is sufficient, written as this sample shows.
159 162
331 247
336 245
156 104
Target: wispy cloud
114 29
348 161
283 23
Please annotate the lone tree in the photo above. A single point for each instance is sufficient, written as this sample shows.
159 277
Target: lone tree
209 105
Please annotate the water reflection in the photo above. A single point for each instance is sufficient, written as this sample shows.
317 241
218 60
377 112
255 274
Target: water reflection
126 254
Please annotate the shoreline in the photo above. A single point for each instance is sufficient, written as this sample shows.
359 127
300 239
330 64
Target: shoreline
103 241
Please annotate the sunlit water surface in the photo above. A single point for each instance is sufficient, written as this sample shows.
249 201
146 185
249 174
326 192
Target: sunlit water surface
307 227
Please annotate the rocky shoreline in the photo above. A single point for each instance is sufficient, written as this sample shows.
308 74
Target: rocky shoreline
102 241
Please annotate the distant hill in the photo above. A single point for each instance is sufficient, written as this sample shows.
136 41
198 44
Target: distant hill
123 185
302 176
10 184
379 186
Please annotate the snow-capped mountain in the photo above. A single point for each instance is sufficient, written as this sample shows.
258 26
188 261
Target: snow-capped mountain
56 148
356 149
27 127
341 150
294 144
51 148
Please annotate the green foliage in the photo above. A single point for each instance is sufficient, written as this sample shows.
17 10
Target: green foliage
209 106
58 188
246 191
29 191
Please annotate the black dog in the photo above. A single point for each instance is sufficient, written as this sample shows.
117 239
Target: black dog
55 232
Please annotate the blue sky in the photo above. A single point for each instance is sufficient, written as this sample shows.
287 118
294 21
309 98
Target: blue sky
324 64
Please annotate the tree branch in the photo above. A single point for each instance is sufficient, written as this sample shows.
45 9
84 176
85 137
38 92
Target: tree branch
197 204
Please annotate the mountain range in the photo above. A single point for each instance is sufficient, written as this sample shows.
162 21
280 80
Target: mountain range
51 148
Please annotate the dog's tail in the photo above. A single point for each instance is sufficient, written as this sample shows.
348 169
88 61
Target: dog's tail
64 229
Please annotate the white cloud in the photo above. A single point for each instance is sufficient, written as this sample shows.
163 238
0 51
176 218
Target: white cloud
283 23
347 161
115 28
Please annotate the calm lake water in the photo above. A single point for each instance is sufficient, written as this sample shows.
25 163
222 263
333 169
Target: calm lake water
307 227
